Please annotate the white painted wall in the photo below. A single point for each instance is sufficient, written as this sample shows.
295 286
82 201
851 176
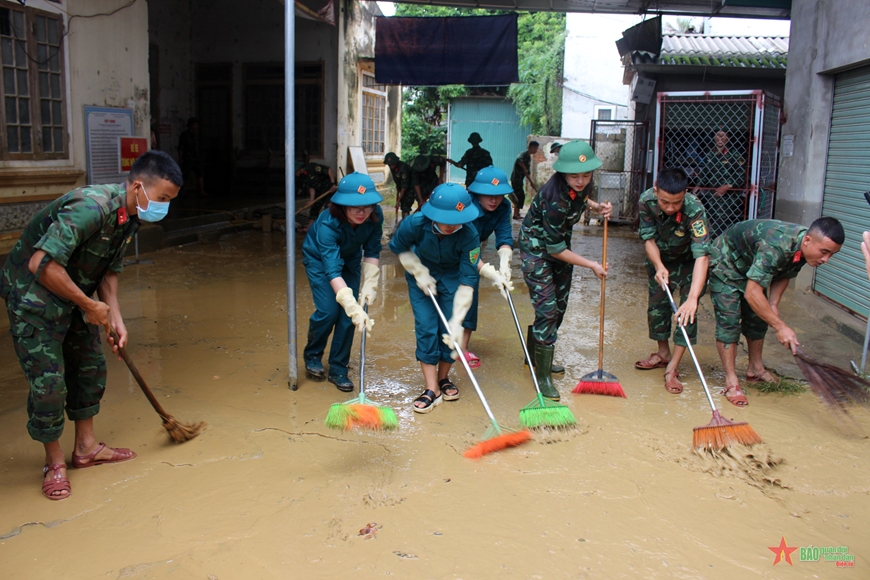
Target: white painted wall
593 68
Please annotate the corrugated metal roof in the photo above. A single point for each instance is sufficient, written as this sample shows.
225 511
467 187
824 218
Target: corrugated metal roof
727 51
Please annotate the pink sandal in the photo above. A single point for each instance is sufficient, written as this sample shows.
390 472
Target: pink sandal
473 359
119 454
57 484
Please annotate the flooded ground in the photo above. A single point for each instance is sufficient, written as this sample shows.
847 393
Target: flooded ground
269 492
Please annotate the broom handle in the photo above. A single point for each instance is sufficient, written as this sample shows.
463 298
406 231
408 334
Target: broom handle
135 372
464 362
362 357
601 302
691 350
523 342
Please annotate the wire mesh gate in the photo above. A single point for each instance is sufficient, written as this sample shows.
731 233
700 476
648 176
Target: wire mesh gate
726 141
622 147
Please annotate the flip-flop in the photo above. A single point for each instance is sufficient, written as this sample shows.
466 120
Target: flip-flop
750 378
653 362
446 385
736 398
428 397
673 385
473 360
57 483
119 455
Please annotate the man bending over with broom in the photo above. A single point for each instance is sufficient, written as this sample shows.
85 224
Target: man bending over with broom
751 264
71 249
676 237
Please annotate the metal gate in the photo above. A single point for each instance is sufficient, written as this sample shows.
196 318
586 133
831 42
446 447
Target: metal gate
621 146
726 141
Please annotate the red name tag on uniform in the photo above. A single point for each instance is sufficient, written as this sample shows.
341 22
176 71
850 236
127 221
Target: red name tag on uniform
679 217
122 216
572 194
797 257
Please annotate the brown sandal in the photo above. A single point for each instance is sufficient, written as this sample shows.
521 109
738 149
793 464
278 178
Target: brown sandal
119 454
672 384
736 396
56 484
655 361
765 377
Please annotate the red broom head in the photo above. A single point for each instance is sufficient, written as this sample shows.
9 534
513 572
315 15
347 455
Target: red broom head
599 388
503 441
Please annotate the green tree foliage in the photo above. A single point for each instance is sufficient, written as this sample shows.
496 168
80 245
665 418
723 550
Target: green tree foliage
538 95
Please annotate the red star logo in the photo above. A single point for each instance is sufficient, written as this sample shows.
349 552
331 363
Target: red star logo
783 552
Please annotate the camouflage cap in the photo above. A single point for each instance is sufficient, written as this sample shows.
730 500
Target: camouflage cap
576 157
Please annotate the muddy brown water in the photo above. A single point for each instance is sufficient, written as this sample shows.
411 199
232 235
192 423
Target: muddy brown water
269 492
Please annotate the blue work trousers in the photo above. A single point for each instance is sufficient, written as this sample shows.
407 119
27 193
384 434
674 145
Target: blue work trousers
427 325
470 321
329 314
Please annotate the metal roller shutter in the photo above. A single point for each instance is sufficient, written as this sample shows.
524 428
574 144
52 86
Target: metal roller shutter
847 177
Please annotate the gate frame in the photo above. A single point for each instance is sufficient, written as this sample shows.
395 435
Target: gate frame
643 142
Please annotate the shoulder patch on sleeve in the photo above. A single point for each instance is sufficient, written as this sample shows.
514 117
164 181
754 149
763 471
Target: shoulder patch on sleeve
699 229
473 255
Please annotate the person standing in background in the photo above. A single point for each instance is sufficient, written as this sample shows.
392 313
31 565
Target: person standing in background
521 172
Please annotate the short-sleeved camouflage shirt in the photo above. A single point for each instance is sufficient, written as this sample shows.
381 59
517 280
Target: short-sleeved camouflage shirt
474 160
679 237
548 224
723 168
757 250
524 158
401 176
428 176
317 177
86 231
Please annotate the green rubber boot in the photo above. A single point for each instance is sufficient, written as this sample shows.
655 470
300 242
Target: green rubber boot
543 360
554 368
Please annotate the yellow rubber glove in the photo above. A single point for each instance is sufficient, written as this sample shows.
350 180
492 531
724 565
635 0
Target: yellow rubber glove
504 266
359 318
461 303
415 267
490 273
371 274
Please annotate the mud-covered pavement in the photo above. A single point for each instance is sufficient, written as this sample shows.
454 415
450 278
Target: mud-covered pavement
269 492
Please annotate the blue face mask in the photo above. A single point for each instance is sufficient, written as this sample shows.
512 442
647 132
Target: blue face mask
155 211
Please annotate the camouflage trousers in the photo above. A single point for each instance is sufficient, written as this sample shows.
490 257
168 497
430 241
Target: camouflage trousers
69 372
408 200
549 284
518 197
733 314
659 314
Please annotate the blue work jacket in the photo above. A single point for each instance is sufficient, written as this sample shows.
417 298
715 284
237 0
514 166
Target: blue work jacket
458 252
498 221
333 243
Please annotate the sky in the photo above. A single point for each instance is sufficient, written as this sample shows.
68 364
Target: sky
388 8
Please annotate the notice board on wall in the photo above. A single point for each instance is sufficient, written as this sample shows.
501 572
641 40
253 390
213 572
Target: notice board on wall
104 127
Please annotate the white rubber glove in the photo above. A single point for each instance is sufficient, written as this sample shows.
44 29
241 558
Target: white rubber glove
461 303
504 265
491 274
359 318
415 267
371 274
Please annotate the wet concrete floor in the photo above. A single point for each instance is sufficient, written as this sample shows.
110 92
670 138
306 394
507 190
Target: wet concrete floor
269 492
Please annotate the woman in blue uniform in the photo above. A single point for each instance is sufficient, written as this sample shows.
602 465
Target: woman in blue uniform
349 231
439 249
490 186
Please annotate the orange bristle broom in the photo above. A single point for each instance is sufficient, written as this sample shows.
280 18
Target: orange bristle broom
721 432
600 382
495 438
359 412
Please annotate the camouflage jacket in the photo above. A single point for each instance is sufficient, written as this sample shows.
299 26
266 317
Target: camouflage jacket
473 161
428 176
757 250
720 169
524 158
401 176
549 223
679 237
317 177
86 231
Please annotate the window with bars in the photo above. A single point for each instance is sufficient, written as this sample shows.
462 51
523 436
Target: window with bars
33 122
374 115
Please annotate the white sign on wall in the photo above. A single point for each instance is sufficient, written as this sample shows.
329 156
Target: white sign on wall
104 126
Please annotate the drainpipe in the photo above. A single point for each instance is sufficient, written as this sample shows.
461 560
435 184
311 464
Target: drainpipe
290 186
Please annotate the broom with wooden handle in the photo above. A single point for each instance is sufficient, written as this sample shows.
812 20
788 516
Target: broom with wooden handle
721 432
178 431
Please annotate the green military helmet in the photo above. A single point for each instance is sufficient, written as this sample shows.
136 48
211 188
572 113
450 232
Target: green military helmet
450 204
356 189
576 157
391 158
475 138
421 162
555 146
490 181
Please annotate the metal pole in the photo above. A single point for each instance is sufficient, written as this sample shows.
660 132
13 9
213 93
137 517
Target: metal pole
290 186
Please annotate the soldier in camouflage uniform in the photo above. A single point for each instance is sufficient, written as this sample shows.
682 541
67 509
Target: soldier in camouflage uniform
316 179
425 175
521 171
474 159
71 249
673 226
545 250
750 268
401 173
724 173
